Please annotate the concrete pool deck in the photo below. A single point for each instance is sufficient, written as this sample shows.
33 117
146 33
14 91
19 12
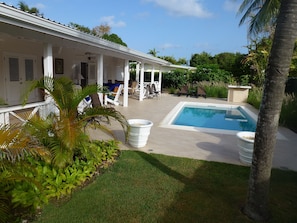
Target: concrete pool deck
194 144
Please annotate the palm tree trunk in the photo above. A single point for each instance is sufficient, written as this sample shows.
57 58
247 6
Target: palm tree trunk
256 206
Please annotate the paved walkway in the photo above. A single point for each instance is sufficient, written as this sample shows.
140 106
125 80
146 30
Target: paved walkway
194 144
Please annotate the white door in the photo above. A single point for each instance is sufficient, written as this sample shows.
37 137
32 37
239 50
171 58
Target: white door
20 71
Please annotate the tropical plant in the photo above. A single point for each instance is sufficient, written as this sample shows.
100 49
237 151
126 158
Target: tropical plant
64 134
153 52
260 14
263 12
24 7
257 59
15 146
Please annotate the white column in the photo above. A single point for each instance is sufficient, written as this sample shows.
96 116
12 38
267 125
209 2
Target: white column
48 63
126 83
99 77
137 72
160 80
153 74
141 90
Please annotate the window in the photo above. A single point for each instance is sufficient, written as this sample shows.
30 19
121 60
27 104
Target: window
29 70
14 74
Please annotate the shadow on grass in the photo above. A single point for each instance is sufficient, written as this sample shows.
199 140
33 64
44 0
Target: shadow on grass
214 193
165 169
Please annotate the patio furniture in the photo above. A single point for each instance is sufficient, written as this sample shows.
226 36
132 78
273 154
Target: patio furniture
200 92
156 92
149 93
184 90
113 97
133 88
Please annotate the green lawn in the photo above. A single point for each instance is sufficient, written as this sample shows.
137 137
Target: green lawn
142 187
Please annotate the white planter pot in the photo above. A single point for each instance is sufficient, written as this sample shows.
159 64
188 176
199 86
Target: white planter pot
139 132
245 142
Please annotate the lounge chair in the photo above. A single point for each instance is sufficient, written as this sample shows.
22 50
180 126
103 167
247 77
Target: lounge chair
149 92
184 90
200 92
113 97
155 91
133 88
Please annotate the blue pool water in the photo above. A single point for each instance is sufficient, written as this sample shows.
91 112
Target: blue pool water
215 118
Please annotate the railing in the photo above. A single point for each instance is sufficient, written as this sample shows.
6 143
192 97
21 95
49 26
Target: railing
6 112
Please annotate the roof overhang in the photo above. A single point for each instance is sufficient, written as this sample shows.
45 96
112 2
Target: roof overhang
13 16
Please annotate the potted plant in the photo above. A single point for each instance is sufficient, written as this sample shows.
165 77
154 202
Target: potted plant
139 132
245 142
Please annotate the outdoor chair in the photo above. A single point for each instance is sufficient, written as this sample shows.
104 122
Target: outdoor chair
200 92
113 97
149 93
155 91
184 90
133 88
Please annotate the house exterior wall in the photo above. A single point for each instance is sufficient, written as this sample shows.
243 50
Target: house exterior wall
22 50
70 57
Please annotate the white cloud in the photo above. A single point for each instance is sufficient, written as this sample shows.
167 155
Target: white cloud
169 46
110 20
183 7
39 6
231 5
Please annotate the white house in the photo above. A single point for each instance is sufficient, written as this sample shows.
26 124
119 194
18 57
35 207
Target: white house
32 46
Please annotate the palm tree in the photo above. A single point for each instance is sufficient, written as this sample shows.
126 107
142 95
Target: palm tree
24 7
64 134
262 15
256 206
153 52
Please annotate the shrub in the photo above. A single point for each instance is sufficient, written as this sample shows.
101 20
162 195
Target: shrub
215 89
255 97
175 79
49 182
288 116
211 73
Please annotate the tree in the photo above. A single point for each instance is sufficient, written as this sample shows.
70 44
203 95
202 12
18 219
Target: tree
64 134
261 15
102 29
201 59
114 38
257 59
153 52
24 7
82 28
256 206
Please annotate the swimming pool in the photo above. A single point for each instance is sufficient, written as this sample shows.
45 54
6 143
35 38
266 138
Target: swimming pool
220 118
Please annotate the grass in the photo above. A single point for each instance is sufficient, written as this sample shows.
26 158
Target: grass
149 188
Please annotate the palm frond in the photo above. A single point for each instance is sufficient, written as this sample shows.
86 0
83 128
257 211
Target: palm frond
15 144
259 14
107 112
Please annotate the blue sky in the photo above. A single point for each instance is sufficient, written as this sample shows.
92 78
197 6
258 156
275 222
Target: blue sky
178 28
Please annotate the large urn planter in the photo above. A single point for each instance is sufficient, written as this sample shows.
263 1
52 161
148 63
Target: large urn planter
245 142
139 132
